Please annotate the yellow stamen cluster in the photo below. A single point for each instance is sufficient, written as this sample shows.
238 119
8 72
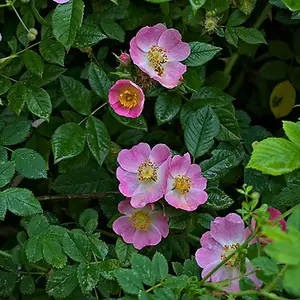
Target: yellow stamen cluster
147 171
157 56
140 220
183 184
129 98
228 249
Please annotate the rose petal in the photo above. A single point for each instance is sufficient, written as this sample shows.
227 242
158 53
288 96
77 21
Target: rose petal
125 208
161 222
160 153
180 165
142 239
129 182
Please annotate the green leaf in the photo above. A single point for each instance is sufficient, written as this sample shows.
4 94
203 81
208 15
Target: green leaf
53 253
88 276
143 267
167 107
98 139
157 1
231 36
294 220
88 36
291 277
52 51
129 281
137 123
99 81
247 6
107 268
200 54
196 4
67 141
76 245
67 20
266 264
62 283
293 5
37 225
280 49
204 220
124 252
7 283
3 154
27 285
15 133
292 130
38 102
34 248
246 283
236 18
89 220
274 70
112 29
77 96
217 199
20 202
33 62
98 247
160 267
200 130
7 171
217 5
29 21
16 97
275 156
5 85
3 208
29 163
250 35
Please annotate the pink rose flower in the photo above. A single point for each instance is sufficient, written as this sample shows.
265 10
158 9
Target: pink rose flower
126 98
225 235
61 1
125 59
185 184
141 227
158 51
143 172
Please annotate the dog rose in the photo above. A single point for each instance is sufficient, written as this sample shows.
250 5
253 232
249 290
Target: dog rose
141 227
158 51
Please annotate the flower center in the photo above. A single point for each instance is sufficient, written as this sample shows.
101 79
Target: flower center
183 184
140 220
147 171
129 98
228 249
157 56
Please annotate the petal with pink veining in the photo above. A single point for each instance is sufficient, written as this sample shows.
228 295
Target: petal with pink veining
121 225
180 165
196 196
198 180
151 237
138 56
160 153
206 256
209 242
129 182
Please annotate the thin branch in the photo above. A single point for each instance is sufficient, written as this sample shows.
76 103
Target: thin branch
77 196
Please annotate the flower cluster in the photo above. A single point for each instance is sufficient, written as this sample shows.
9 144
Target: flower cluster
157 52
146 175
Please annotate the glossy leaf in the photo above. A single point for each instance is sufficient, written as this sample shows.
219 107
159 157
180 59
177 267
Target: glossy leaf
33 62
52 51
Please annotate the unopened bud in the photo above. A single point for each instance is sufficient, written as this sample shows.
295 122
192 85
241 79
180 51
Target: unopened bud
254 144
33 31
30 37
125 59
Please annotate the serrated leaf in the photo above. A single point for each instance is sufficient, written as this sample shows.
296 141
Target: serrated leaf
34 248
275 156
200 131
67 20
217 5
129 281
67 141
7 283
29 21
3 208
15 133
33 62
124 252
98 247
77 96
231 36
38 102
52 51
61 283
5 85
98 139
85 220
7 171
143 267
293 5
266 264
112 29
76 245
217 199
167 107
16 97
29 163
236 18
107 268
27 285
53 254
99 81
88 36
160 267
20 202
250 35
200 54
247 6
88 276
37 225
292 130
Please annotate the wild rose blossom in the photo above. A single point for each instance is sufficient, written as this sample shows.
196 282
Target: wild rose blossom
185 184
125 59
225 236
142 173
126 98
141 227
158 51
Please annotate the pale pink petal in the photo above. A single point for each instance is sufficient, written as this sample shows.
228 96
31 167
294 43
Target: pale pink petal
162 174
209 242
142 239
176 200
119 109
225 273
180 164
206 256
125 208
250 268
228 230
61 1
161 222
138 56
170 183
160 153
129 182
196 196
198 180
121 225
147 192
208 268
131 159
172 73
176 49
149 36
